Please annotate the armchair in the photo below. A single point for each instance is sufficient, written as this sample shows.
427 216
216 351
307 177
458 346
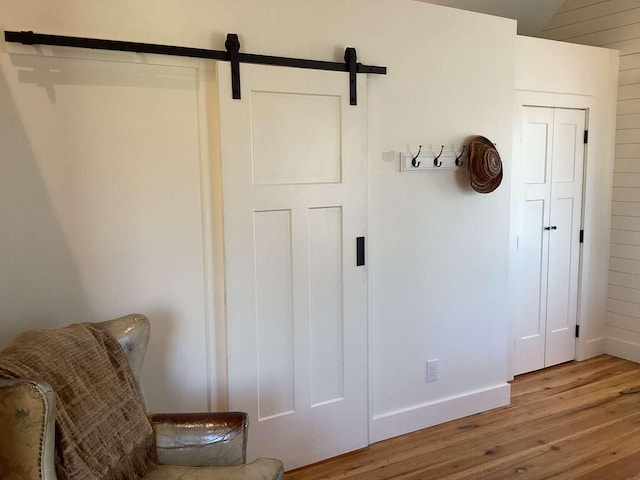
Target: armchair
191 446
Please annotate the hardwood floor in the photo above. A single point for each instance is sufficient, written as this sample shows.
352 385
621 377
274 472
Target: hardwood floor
573 421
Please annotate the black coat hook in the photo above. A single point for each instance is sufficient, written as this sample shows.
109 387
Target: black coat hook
435 160
459 162
413 160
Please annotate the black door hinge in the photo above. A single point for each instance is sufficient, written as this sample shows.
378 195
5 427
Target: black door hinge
577 331
586 136
581 236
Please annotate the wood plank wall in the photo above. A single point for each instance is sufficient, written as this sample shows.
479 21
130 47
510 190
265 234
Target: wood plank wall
616 24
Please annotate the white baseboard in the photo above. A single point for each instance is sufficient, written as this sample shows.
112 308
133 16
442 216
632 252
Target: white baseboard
623 343
408 420
591 348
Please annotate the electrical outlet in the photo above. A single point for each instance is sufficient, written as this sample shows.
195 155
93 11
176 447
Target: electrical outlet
432 370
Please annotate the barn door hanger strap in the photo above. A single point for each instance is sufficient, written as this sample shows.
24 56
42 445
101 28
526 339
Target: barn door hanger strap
232 54
350 65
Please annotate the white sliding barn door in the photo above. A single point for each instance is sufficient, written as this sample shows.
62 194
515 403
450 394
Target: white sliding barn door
294 183
551 162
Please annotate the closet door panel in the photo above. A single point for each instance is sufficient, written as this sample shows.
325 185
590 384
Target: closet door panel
564 236
533 240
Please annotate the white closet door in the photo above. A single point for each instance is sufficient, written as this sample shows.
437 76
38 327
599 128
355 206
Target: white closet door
551 161
294 182
533 240
564 236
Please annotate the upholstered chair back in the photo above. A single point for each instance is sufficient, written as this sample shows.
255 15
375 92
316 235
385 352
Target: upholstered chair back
132 332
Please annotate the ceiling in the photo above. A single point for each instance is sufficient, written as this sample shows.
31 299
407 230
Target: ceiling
532 15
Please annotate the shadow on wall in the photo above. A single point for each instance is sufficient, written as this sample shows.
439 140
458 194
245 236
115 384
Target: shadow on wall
156 368
39 285
65 67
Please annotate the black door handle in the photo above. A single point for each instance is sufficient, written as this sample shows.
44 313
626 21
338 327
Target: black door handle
359 251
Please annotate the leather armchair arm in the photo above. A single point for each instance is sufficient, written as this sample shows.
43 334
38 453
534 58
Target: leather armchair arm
27 426
201 439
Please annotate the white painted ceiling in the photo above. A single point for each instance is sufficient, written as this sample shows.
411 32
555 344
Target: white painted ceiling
532 15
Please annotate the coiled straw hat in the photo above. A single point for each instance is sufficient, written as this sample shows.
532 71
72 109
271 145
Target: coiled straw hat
485 166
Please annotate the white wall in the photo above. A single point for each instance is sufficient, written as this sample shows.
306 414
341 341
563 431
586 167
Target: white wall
555 74
616 24
438 251
102 211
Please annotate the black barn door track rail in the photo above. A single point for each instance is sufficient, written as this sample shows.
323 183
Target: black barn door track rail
232 54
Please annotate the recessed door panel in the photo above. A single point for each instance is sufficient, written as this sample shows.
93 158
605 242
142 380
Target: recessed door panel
274 314
530 328
290 146
325 305
564 157
559 284
534 248
534 142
